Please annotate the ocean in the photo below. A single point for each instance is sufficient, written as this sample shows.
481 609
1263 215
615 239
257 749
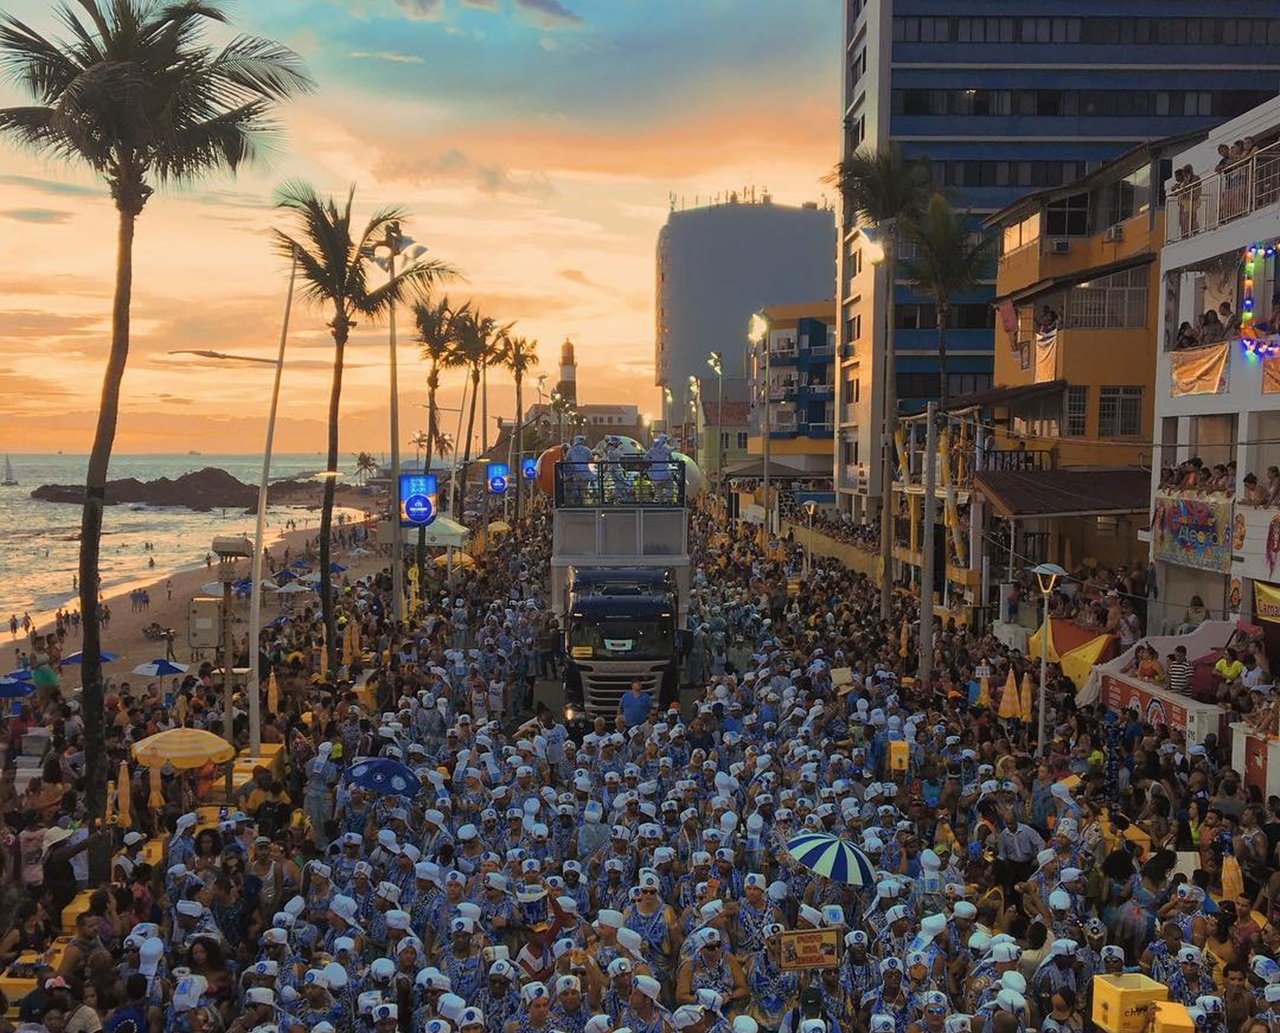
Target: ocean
39 550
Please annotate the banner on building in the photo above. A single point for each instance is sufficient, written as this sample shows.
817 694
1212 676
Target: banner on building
1193 532
1271 375
1047 356
1266 602
1199 371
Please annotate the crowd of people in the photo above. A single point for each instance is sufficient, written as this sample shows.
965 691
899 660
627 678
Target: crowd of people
639 879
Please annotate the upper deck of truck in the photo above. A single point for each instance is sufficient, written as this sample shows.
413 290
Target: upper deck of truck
628 483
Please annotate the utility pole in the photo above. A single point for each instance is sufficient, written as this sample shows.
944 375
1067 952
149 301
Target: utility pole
925 671
889 418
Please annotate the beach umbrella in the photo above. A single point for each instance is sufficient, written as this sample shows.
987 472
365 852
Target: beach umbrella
336 568
310 580
280 621
984 692
76 658
123 800
384 777
159 669
300 565
1024 697
292 588
284 575
273 692
15 688
359 551
21 674
1010 707
832 858
184 748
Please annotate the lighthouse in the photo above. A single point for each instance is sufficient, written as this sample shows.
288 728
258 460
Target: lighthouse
568 383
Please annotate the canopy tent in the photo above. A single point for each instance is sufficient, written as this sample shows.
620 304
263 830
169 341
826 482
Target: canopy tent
1073 648
444 532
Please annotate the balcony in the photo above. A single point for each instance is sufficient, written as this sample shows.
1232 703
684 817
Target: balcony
1246 187
822 351
822 390
1015 460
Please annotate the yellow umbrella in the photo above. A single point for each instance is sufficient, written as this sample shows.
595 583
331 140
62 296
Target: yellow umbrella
1009 708
460 559
324 660
1025 697
984 692
346 644
499 527
123 786
184 748
155 800
273 693
902 640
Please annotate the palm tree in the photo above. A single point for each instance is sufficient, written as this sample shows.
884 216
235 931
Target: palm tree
475 346
365 465
420 440
138 96
950 260
333 264
883 189
519 355
437 332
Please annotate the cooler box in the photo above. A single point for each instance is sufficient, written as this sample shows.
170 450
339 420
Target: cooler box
1172 1017
899 755
1121 1003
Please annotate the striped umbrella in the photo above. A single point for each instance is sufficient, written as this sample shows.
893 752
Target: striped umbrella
832 858
183 748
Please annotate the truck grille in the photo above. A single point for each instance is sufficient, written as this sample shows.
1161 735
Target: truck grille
603 685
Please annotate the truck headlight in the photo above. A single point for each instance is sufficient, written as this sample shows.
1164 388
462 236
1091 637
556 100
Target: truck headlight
570 714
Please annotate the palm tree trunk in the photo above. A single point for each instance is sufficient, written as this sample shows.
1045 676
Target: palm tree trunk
888 428
518 472
943 316
340 333
95 492
433 379
466 451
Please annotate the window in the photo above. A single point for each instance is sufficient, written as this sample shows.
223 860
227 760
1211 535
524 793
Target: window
1119 412
1077 411
1019 234
1130 196
742 439
915 317
973 317
1067 217
918 385
1112 302
961 384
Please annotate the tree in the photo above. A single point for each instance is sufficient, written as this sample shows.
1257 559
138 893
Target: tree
475 346
420 440
882 189
950 260
333 271
365 465
519 355
437 334
137 95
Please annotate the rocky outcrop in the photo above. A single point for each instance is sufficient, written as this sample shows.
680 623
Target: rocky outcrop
201 490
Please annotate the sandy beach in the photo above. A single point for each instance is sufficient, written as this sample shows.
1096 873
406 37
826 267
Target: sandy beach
170 595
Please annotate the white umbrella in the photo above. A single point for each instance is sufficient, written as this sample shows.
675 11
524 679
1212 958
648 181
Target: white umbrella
160 669
292 588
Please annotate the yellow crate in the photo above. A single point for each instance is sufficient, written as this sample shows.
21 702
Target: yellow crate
1121 1004
1172 1017
899 755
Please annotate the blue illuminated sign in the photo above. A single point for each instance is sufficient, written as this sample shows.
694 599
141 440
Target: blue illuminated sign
529 468
497 476
417 499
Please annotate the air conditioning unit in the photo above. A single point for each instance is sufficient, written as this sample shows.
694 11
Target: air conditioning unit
1113 234
1059 247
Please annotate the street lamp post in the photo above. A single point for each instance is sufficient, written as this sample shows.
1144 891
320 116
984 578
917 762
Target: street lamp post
810 508
695 401
716 361
881 251
1047 575
759 331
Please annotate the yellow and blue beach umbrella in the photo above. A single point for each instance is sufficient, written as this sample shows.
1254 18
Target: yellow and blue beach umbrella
832 858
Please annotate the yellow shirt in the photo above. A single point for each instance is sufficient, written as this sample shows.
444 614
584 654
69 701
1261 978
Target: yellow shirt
1229 669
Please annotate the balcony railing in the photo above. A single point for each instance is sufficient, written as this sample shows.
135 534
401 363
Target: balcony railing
1247 186
648 483
822 390
1014 460
822 350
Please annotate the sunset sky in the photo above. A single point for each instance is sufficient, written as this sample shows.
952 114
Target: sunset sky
535 144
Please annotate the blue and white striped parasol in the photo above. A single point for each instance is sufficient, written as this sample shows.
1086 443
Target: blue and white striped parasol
383 776
832 858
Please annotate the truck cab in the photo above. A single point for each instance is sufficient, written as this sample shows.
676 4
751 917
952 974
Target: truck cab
619 580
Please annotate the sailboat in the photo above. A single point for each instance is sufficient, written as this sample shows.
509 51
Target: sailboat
9 480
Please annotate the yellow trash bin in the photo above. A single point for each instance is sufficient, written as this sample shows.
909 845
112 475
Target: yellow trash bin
1121 1004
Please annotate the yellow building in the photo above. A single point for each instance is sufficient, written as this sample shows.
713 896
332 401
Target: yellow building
1052 464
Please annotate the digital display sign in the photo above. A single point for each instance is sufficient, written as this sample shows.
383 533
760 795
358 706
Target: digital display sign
497 478
417 499
529 468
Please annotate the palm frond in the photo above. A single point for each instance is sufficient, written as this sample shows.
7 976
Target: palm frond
882 186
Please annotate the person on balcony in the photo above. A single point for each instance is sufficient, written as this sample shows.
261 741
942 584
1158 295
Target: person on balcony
1211 328
1187 337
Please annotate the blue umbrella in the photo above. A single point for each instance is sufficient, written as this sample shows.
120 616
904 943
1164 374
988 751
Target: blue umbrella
336 568
299 564
13 688
384 777
832 858
285 575
159 669
21 674
279 621
77 658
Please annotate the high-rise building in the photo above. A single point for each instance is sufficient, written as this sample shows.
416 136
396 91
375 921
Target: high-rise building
719 264
1007 97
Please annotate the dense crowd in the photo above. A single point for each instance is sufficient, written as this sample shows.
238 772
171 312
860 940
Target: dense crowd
639 879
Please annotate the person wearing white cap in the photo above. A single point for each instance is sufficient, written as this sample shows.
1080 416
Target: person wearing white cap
317 797
181 848
535 1010
656 923
710 967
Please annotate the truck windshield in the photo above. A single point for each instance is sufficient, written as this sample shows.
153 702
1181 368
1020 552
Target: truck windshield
621 638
